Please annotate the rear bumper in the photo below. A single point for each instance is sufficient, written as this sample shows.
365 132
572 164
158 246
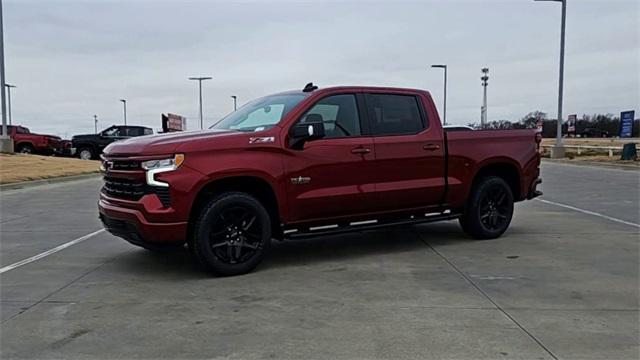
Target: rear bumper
533 189
133 226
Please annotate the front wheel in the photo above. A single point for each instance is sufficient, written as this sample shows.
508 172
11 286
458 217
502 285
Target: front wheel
231 235
489 209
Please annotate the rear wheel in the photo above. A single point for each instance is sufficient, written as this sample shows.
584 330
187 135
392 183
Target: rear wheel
25 148
489 209
231 235
85 153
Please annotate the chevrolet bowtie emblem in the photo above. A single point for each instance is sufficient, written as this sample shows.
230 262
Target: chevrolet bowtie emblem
300 180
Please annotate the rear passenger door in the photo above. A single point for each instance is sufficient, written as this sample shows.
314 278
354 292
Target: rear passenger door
409 154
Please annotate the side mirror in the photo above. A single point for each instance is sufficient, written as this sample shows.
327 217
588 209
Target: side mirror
312 128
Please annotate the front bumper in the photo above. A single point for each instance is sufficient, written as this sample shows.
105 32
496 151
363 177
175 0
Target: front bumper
134 226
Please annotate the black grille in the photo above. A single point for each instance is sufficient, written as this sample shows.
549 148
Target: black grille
126 165
134 189
124 188
163 195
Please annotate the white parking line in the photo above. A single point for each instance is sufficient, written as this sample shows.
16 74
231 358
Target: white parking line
49 252
590 213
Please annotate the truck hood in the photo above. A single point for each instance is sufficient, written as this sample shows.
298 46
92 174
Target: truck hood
162 143
84 137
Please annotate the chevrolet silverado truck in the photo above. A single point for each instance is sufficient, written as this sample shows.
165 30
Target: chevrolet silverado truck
313 162
26 142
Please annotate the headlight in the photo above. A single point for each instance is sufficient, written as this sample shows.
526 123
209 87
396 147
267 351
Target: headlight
172 163
154 167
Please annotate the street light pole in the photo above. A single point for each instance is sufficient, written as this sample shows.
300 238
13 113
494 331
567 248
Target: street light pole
558 150
6 143
124 103
199 79
9 86
444 111
235 104
485 83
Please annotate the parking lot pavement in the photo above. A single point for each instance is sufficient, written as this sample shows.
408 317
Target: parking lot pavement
560 284
615 192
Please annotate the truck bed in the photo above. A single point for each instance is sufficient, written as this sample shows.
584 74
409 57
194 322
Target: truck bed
468 151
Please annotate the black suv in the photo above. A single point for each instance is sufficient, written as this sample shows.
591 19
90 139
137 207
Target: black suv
594 132
90 146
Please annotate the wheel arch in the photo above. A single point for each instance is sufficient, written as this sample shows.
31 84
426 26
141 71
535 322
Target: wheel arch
23 143
504 168
253 185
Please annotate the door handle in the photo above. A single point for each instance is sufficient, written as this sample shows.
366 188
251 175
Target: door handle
360 150
431 147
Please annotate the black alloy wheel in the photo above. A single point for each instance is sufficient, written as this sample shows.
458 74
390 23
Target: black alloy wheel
494 208
232 234
489 209
235 234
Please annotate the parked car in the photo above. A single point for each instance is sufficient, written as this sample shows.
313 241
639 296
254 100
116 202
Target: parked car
308 163
24 141
594 132
90 146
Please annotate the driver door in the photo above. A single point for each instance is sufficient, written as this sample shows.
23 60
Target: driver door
331 177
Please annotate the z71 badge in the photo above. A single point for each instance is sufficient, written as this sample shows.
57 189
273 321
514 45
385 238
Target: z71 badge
262 140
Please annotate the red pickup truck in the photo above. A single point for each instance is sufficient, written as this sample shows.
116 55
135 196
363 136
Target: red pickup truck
24 141
312 162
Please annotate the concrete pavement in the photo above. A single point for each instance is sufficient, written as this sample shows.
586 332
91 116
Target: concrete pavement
559 284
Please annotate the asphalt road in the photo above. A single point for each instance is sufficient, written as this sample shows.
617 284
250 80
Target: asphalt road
561 283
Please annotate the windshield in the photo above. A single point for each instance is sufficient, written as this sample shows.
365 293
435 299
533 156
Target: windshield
259 114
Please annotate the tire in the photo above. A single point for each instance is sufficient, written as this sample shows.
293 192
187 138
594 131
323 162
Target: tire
231 235
86 153
25 149
489 209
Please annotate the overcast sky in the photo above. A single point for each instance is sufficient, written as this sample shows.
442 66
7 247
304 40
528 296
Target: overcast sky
73 59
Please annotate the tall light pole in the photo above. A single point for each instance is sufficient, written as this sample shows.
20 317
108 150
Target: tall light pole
6 143
9 86
95 124
444 110
235 102
199 79
124 103
485 83
558 150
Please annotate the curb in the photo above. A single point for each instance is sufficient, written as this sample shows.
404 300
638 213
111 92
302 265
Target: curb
593 163
54 180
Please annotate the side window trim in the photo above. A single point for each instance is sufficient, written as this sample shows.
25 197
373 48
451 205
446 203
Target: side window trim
423 114
363 111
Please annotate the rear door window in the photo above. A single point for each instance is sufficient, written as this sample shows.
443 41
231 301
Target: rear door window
391 114
134 131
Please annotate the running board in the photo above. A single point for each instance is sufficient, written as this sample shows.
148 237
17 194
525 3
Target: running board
302 233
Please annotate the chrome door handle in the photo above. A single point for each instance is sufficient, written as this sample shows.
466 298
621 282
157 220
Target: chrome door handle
431 147
360 150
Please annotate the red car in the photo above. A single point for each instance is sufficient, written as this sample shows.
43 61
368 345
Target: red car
313 162
27 142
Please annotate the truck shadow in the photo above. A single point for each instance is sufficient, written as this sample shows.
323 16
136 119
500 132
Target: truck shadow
306 252
353 246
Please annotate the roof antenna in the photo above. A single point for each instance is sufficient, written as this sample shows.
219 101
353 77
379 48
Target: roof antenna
309 87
